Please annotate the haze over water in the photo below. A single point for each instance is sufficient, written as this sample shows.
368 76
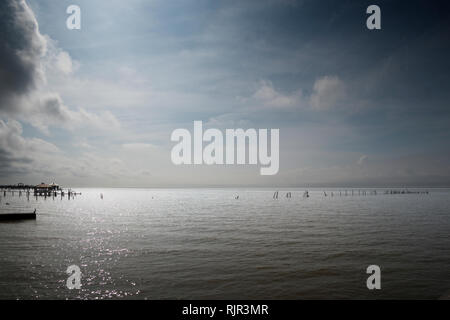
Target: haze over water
205 244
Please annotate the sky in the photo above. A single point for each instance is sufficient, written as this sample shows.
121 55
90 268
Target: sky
97 106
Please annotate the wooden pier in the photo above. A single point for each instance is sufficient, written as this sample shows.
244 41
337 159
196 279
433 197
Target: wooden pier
358 192
40 190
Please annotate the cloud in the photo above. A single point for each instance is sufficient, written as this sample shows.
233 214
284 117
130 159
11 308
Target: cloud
328 92
49 110
37 160
25 56
137 146
322 68
56 60
269 97
362 160
21 48
228 120
19 154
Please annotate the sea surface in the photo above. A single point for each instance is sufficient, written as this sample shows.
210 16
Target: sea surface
206 244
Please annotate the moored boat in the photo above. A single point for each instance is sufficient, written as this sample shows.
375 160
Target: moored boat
18 216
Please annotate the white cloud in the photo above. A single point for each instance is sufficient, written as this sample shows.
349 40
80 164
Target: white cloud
269 97
11 140
45 110
19 154
362 160
328 92
38 160
56 60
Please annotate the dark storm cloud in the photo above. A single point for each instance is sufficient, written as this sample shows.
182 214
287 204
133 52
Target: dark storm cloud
21 47
25 57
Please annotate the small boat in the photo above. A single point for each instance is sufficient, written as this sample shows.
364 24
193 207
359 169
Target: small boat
18 216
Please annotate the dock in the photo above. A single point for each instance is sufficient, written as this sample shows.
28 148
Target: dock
41 190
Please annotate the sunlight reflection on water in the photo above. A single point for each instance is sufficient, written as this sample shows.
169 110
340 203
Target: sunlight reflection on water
203 243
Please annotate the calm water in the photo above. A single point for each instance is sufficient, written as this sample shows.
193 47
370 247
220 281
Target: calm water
205 244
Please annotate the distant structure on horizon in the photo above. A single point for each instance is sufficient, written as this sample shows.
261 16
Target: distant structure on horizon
43 187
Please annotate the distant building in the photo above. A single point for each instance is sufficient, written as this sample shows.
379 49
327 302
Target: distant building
44 187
